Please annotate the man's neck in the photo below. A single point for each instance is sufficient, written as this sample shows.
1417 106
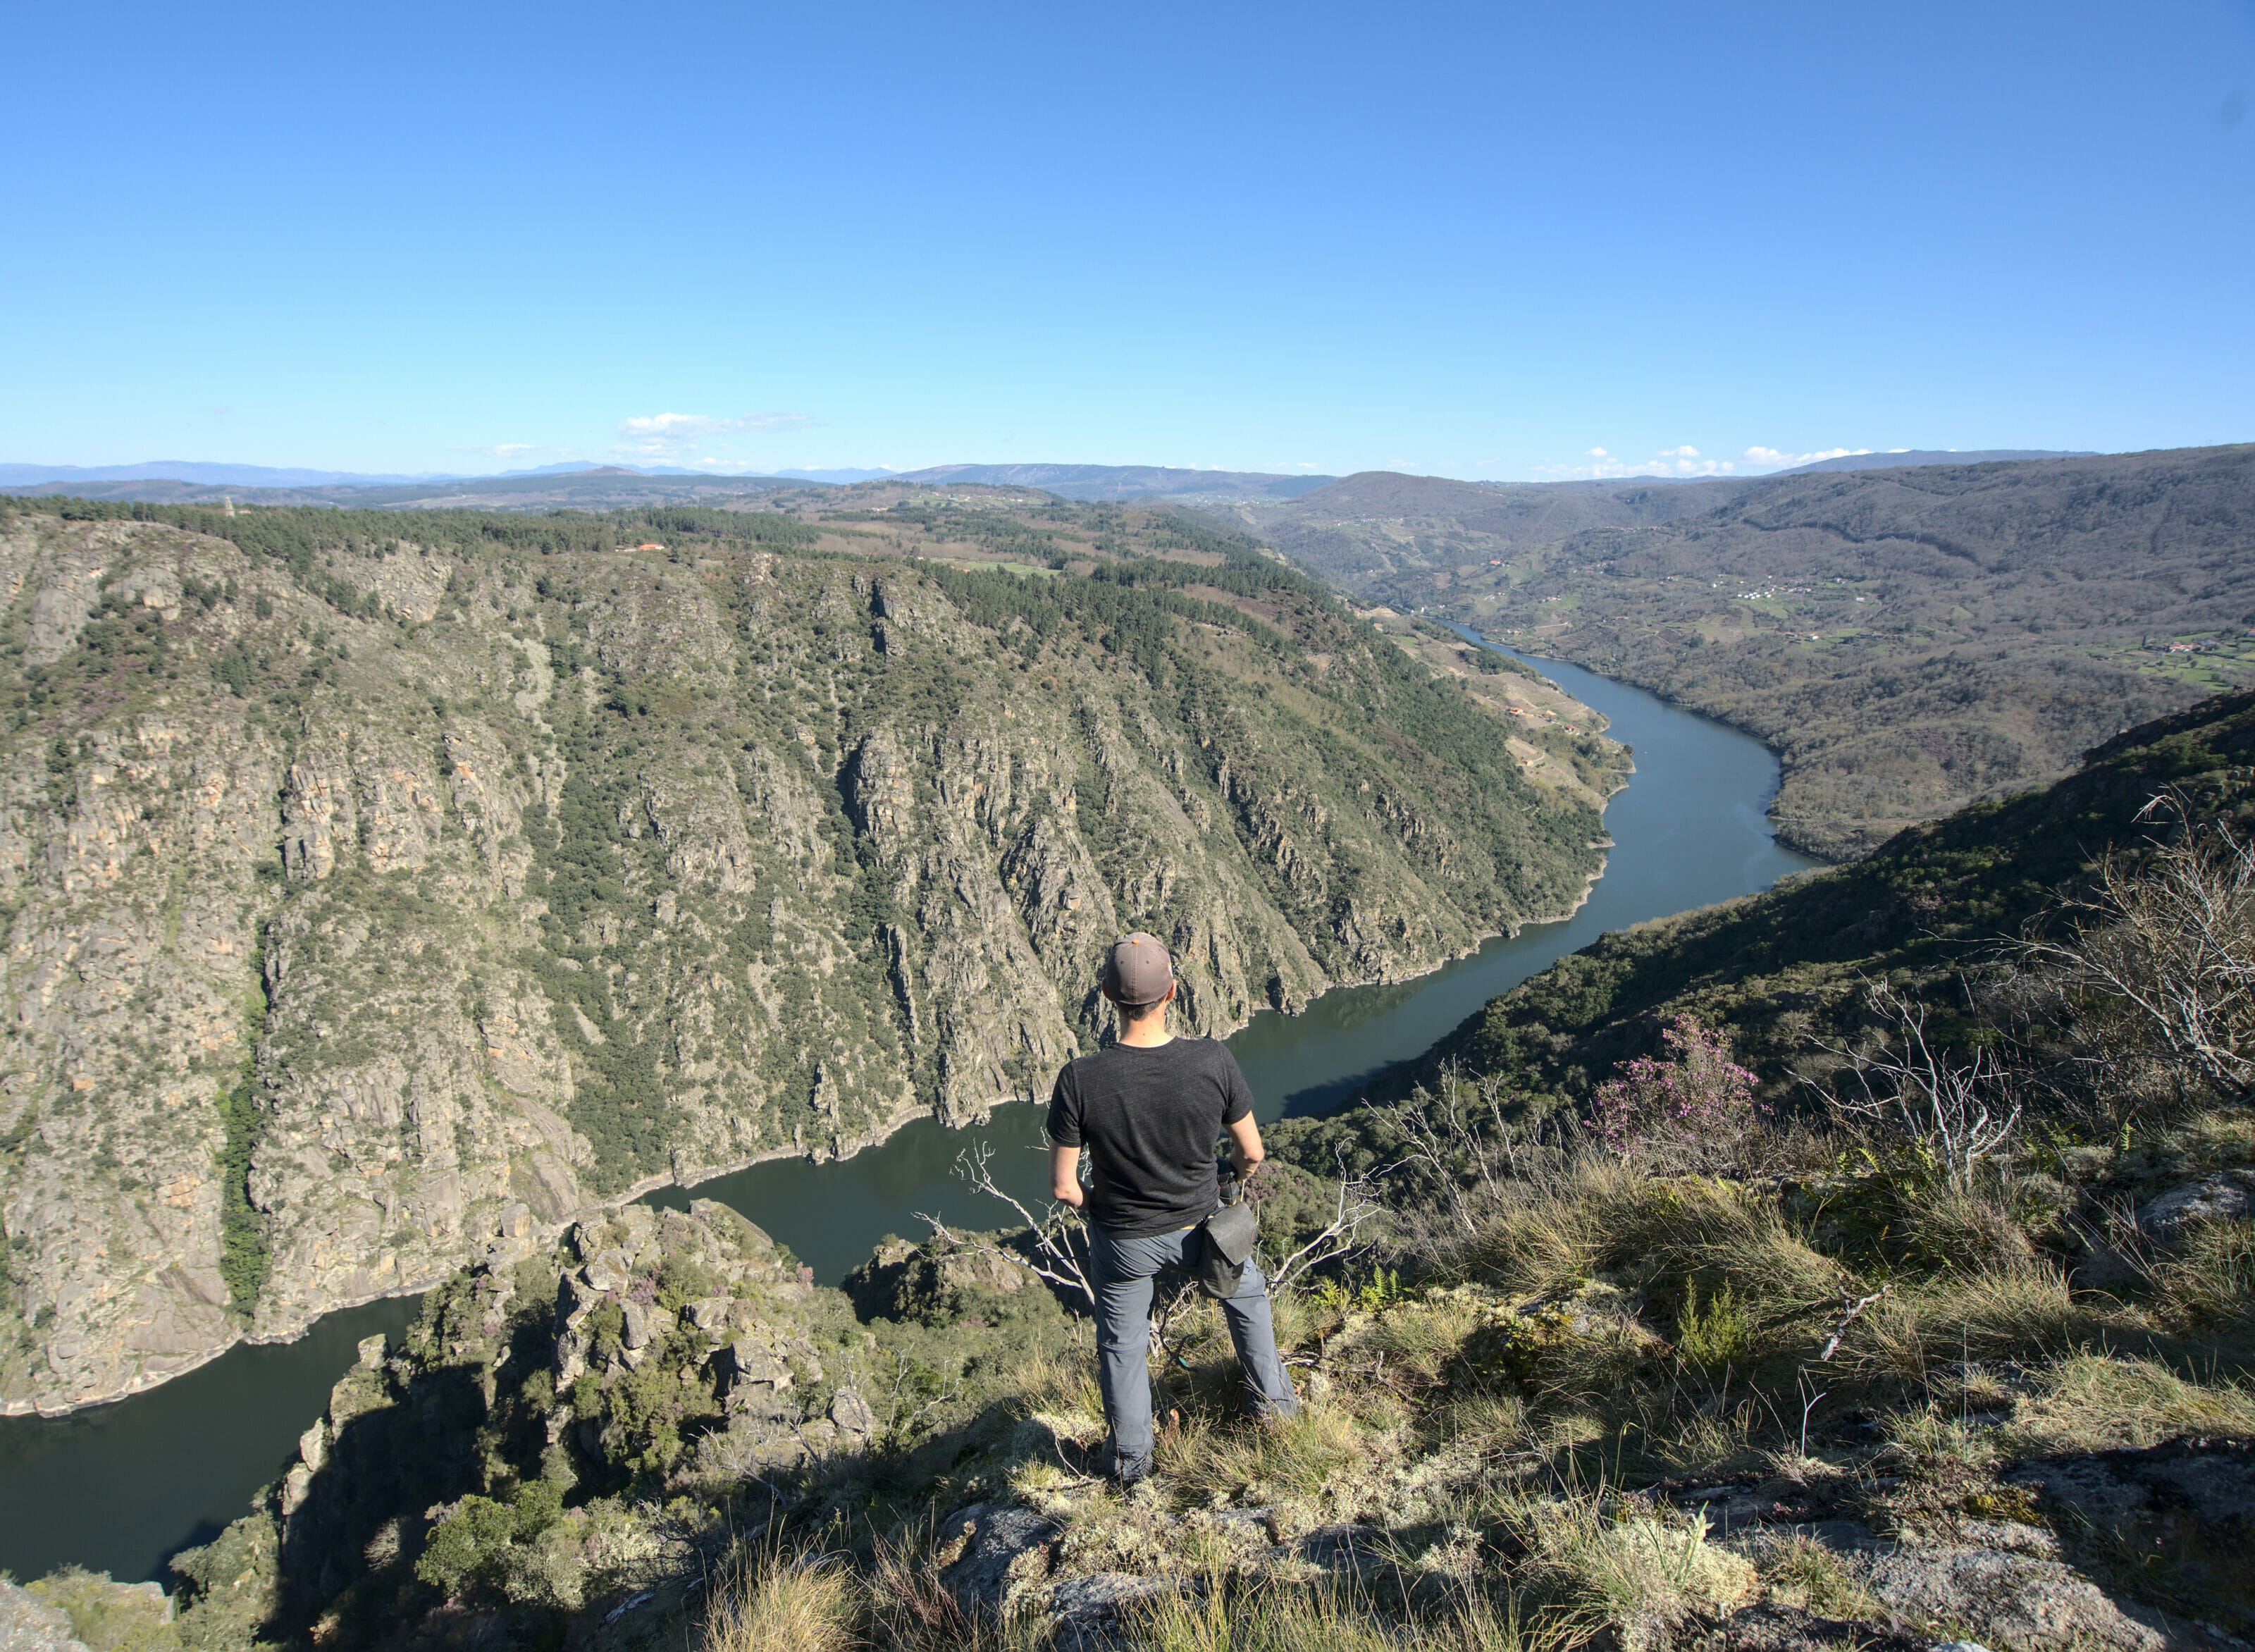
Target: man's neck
1148 1032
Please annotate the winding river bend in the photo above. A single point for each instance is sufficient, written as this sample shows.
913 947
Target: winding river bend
121 1488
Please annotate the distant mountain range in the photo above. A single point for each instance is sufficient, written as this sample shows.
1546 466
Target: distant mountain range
192 470
183 481
1622 500
1124 482
1937 456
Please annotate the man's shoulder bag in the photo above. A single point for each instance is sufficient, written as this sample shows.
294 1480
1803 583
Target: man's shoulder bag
1226 1241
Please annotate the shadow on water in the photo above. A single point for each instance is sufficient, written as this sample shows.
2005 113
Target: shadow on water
121 1487
1691 829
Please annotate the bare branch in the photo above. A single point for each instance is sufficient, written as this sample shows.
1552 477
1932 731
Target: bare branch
1058 1258
1444 1134
2170 938
1851 1310
1357 1204
1957 1112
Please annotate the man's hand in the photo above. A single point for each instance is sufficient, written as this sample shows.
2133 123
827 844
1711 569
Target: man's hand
1064 1176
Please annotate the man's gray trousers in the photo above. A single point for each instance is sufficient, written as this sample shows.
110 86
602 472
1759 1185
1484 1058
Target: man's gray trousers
1122 1274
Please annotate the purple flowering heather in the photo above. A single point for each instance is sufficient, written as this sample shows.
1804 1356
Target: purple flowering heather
1697 1096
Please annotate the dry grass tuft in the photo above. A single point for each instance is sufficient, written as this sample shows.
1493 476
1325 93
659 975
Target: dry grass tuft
2003 1314
2209 1286
1330 1617
1801 1571
1931 1445
772 1603
2093 1403
1643 1565
1684 1234
1960 1229
1295 1456
910 1610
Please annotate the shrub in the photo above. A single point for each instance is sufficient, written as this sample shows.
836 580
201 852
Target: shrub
1716 1335
466 1545
1698 1097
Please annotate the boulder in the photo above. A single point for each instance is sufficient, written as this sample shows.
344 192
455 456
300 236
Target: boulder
1000 1554
710 1314
1767 1626
2016 1603
645 1322
29 1624
2187 1507
610 1270
2221 1197
1089 1612
980 1270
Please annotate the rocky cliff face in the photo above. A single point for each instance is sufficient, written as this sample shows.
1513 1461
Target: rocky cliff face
370 897
648 1352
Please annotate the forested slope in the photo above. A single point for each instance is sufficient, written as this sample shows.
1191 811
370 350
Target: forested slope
1907 640
1365 532
1934 910
376 882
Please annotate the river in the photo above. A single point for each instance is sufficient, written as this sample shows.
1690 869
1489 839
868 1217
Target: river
120 1487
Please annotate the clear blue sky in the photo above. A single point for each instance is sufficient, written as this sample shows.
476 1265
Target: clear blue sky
1470 240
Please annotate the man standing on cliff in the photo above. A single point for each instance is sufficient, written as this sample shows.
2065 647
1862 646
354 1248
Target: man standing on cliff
1148 1111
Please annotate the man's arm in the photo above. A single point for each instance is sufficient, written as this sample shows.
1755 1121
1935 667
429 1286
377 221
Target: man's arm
1064 1176
1244 1149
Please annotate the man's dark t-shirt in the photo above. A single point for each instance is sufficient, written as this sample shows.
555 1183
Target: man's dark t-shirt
1148 1118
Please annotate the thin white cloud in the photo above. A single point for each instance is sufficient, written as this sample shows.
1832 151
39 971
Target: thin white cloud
1774 459
1685 461
1681 460
671 438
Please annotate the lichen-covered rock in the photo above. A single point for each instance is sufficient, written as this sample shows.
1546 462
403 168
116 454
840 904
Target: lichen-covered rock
2015 1602
993 1557
2219 1198
29 1624
2186 1510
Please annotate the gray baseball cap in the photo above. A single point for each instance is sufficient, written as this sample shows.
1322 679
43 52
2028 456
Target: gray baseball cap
1137 972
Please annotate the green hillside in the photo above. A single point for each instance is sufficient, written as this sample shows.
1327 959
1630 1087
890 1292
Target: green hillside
1933 912
1907 640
